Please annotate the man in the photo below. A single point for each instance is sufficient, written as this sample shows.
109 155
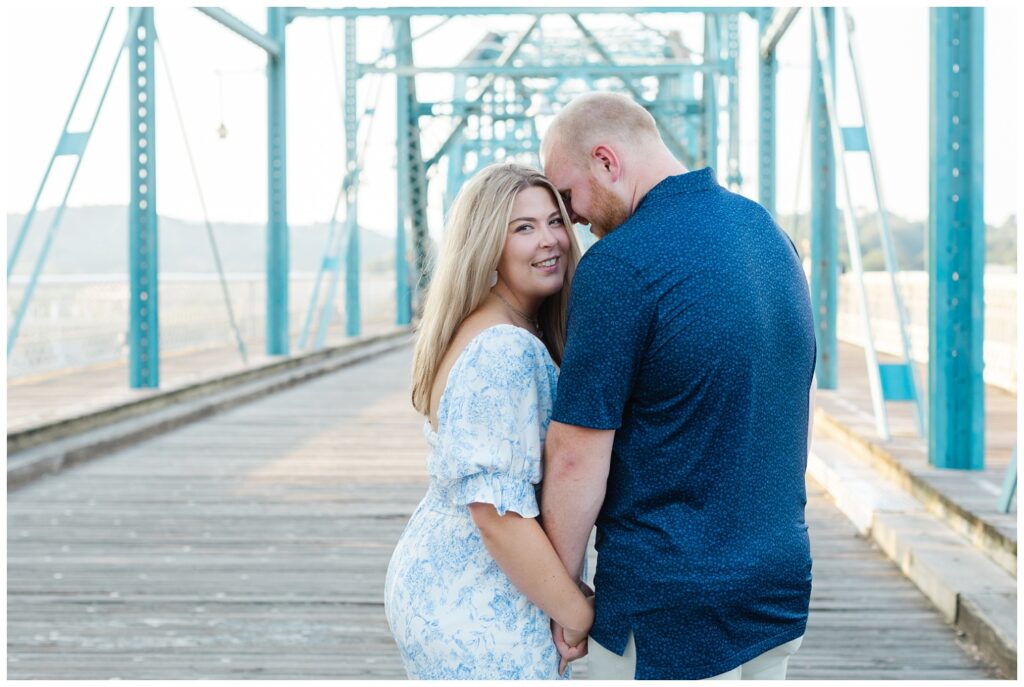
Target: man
682 416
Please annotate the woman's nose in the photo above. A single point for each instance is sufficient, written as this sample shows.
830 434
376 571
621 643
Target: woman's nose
547 236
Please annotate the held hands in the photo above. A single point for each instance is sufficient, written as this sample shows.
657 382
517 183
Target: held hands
572 643
568 653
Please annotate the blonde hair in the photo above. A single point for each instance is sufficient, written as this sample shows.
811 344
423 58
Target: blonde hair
593 118
476 229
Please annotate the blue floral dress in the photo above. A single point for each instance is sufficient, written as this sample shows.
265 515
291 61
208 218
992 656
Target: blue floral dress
453 612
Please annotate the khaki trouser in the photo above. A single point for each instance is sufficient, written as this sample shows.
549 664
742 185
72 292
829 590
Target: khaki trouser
771 665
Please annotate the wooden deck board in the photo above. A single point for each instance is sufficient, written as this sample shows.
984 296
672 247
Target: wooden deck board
254 545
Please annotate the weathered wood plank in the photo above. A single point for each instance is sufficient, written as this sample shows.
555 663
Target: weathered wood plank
254 545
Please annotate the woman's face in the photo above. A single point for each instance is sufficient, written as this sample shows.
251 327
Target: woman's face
533 261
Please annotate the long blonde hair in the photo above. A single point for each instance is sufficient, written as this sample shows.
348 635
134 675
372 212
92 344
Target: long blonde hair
475 234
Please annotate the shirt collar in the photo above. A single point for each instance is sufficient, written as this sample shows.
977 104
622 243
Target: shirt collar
690 182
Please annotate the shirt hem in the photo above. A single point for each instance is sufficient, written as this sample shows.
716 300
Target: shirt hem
725 665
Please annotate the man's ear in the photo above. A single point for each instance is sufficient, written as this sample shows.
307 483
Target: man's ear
605 159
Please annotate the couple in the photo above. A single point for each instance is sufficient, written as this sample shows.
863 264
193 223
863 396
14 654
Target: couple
678 422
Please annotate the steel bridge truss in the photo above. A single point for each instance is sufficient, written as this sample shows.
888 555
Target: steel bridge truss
511 79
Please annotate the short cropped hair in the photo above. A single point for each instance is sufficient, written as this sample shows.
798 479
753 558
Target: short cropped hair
593 118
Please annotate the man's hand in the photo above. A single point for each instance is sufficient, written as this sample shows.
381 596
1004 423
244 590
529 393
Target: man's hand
567 652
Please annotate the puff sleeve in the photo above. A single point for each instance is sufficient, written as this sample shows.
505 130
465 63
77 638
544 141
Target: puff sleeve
493 420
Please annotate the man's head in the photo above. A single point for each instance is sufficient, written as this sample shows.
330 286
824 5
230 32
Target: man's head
596 153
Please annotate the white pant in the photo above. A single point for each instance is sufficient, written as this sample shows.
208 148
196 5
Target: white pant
771 665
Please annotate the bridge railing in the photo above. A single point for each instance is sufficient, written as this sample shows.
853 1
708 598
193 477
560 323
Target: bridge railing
79 320
1000 343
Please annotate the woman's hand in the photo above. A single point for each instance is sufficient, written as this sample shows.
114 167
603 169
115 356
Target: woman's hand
567 654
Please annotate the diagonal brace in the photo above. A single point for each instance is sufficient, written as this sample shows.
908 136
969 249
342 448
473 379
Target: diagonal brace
474 106
667 133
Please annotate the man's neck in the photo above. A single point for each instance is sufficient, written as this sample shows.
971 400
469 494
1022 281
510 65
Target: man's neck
653 173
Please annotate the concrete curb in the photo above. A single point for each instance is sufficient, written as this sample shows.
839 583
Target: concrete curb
971 591
986 538
51 448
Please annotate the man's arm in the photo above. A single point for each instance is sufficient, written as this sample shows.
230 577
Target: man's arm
576 464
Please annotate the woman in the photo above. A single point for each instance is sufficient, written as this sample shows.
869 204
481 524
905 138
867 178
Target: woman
474 582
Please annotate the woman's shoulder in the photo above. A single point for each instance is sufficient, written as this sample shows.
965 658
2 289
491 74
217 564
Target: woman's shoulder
503 346
485 330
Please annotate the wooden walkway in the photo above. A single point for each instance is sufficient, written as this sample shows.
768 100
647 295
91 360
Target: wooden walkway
254 545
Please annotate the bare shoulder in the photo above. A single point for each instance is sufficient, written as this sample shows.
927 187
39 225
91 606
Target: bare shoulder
480 319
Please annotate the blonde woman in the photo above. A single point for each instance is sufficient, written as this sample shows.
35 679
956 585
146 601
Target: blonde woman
474 583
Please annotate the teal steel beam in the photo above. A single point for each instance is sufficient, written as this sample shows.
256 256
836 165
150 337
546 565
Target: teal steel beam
710 92
767 68
407 12
667 134
956 233
350 235
70 143
734 177
403 113
143 318
1009 485
559 71
12 256
676 100
353 312
277 190
824 219
239 27
486 85
773 25
456 154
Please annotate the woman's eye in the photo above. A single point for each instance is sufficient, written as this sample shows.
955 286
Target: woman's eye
558 221
524 227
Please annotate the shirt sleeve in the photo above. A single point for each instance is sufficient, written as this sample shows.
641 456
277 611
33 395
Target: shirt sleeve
610 319
494 420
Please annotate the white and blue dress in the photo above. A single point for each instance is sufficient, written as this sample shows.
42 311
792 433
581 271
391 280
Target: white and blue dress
453 612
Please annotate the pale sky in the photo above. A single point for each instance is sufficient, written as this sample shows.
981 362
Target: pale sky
48 47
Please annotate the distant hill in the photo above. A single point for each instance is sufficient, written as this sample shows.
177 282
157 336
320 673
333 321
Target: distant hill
909 239
94 240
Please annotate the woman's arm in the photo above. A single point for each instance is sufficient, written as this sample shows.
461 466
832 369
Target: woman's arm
525 555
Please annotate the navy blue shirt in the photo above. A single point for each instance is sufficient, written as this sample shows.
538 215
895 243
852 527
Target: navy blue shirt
690 334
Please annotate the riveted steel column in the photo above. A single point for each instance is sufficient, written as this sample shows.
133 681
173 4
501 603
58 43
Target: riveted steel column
766 71
403 57
277 190
734 177
143 319
956 233
710 93
456 156
353 315
824 219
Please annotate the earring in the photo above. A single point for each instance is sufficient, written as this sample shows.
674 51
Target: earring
494 278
